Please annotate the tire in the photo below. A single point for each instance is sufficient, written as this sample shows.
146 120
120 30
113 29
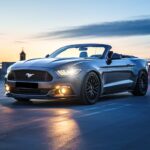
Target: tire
141 86
22 100
91 88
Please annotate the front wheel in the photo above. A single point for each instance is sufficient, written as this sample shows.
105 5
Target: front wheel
91 89
141 86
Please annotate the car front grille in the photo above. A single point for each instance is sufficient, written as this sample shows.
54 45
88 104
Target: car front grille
30 75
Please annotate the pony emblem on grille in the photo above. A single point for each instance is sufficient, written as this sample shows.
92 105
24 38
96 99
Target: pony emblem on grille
29 75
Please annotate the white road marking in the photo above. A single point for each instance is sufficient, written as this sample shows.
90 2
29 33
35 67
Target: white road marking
96 107
92 108
105 110
90 114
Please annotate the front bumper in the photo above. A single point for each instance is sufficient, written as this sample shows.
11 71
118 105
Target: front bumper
24 96
44 90
75 84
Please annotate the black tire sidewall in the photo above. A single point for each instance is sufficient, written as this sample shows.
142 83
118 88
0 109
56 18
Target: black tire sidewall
145 91
83 96
137 90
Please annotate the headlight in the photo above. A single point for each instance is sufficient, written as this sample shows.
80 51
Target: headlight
68 72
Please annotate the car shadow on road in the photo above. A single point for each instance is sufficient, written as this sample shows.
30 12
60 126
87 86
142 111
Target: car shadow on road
65 103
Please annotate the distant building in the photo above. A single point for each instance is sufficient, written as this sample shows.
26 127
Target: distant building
22 55
3 68
5 65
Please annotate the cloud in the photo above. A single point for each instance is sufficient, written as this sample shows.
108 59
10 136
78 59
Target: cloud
19 42
141 17
109 29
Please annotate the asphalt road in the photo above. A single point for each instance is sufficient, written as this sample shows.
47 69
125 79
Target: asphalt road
116 122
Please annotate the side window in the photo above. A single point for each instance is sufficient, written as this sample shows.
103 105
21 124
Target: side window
95 51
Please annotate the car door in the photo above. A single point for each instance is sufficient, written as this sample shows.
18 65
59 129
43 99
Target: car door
117 76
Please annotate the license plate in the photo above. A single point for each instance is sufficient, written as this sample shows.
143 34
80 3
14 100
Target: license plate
27 85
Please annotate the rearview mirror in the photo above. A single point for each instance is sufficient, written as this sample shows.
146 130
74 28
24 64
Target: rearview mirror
109 57
83 49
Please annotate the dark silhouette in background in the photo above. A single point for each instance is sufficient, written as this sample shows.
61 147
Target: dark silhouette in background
5 65
22 55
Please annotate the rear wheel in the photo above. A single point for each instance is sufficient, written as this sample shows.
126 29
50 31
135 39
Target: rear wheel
91 88
141 84
22 100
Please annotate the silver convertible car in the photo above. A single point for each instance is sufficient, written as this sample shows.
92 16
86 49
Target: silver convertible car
80 71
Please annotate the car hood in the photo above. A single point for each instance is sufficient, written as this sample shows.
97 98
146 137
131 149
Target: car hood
48 62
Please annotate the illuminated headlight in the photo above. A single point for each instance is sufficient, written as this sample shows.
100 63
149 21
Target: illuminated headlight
68 72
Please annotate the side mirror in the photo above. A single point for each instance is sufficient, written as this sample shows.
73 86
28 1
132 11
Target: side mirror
47 56
109 57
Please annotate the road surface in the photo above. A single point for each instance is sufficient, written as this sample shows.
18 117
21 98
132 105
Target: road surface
116 122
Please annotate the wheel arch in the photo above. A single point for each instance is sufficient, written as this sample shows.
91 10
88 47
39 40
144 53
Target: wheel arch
97 73
141 70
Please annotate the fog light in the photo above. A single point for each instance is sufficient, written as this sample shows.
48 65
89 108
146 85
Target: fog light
63 90
7 88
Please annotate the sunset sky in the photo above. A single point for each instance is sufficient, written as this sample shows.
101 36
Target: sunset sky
42 26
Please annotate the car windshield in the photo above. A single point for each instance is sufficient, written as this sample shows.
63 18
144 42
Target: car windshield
80 51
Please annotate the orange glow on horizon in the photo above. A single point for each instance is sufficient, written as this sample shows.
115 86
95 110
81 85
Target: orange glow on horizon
9 51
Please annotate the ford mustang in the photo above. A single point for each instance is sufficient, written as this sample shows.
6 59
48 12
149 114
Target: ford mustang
80 71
